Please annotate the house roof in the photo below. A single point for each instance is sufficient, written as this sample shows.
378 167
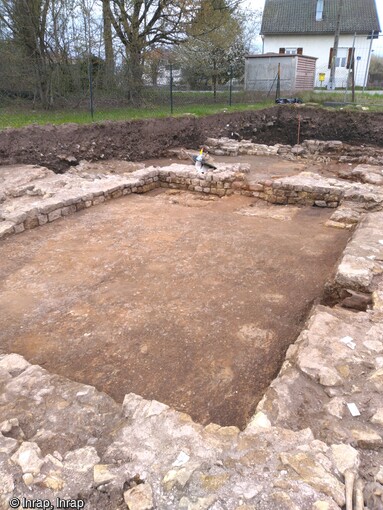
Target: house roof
298 17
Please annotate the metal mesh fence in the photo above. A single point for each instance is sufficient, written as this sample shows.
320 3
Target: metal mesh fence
86 87
366 50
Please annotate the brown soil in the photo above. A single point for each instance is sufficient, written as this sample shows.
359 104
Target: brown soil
139 140
187 299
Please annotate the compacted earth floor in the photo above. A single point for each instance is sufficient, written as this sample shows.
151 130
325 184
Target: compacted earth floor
187 299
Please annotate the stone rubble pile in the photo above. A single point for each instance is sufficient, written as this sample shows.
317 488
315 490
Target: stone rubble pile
61 439
371 174
333 375
230 147
321 150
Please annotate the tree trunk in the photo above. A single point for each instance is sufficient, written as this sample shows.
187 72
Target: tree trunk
43 78
135 74
108 45
215 80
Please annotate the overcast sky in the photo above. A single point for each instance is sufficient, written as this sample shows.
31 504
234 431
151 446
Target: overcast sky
378 45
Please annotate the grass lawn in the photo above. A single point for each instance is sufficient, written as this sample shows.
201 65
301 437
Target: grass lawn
11 118
373 101
199 104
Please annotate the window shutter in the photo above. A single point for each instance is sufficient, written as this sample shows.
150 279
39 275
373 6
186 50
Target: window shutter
330 59
300 51
349 58
282 50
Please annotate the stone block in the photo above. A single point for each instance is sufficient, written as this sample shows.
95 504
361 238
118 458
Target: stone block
81 205
98 200
237 185
19 228
50 205
71 209
345 457
31 222
255 187
117 193
28 457
14 364
42 219
367 438
54 215
6 228
313 473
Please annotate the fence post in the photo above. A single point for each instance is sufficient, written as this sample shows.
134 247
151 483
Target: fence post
231 86
171 89
351 69
278 89
91 88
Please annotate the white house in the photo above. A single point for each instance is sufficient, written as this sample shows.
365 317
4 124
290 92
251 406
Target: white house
308 27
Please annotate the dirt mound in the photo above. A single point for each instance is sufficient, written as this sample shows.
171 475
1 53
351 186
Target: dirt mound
59 147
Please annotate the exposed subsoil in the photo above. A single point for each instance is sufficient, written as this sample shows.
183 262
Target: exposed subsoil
59 146
183 298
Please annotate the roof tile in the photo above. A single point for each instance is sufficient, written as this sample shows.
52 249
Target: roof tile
298 16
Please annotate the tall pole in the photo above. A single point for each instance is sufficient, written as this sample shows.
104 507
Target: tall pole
278 90
368 62
91 100
351 69
171 89
352 64
331 84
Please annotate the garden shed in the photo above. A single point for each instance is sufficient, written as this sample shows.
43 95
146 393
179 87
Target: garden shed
297 72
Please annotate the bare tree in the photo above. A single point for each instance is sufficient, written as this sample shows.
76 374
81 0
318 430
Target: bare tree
214 50
27 21
142 24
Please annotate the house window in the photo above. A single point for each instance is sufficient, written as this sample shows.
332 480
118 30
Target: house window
291 51
343 58
319 13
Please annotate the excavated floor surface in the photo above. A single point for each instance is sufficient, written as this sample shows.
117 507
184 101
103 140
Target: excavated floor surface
183 298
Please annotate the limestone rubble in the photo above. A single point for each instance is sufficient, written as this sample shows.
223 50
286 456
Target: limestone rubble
318 429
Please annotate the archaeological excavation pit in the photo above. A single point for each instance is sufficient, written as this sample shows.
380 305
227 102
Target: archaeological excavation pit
188 299
227 296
